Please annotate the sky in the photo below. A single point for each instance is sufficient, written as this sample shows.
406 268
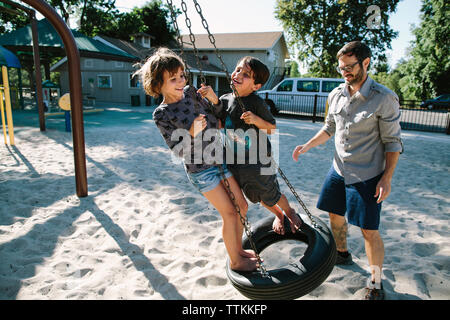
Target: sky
224 16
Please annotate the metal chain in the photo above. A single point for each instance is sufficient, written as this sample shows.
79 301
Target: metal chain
241 105
177 30
244 221
310 216
192 38
212 40
218 55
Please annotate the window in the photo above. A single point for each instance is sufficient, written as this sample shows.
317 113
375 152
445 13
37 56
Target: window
285 86
88 63
328 86
308 86
104 81
134 81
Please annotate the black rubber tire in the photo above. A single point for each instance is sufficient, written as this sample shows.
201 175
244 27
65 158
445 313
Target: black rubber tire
291 282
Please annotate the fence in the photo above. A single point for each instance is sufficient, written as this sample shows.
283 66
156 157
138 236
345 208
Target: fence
412 116
310 106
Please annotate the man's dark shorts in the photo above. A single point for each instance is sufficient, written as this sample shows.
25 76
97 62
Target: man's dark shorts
356 199
256 187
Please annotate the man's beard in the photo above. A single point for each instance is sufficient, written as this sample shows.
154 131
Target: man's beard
358 77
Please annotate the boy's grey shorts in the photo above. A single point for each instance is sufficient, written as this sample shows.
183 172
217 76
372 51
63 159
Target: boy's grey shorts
256 187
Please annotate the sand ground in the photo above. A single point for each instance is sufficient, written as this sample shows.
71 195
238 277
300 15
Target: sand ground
144 232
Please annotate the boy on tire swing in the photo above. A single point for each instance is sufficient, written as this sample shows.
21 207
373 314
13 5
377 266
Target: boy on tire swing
244 131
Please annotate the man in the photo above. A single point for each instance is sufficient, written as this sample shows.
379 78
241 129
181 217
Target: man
364 118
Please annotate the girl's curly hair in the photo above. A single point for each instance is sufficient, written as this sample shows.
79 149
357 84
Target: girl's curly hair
152 71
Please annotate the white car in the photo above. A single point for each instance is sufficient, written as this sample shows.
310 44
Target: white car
299 95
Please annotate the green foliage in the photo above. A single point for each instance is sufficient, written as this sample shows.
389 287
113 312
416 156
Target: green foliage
9 21
100 17
427 72
156 21
392 80
152 18
67 7
95 16
318 29
294 72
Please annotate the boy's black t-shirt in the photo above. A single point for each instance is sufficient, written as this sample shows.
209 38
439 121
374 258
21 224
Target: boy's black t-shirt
230 116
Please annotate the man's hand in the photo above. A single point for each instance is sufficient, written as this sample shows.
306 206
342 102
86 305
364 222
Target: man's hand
299 150
382 190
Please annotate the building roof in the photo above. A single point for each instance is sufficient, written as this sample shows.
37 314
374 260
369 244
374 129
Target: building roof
143 53
207 68
21 39
236 41
132 48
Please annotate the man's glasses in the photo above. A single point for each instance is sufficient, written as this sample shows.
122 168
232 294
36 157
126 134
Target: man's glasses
346 68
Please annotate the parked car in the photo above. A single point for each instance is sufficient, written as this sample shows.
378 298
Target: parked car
297 95
441 102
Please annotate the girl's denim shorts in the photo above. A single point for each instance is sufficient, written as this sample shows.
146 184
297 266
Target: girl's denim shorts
208 179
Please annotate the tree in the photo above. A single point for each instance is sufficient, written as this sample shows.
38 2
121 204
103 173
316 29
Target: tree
156 21
153 18
319 28
293 69
10 21
427 72
96 15
392 79
65 7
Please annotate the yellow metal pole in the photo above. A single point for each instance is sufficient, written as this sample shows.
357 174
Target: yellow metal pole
326 109
2 110
9 118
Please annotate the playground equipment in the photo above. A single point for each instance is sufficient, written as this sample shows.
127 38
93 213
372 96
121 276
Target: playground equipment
50 92
5 93
7 60
64 103
73 57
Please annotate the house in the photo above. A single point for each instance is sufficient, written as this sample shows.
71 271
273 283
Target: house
97 60
105 79
214 75
269 47
111 80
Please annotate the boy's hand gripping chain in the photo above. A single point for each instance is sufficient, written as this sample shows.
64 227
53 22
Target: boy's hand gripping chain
241 105
243 220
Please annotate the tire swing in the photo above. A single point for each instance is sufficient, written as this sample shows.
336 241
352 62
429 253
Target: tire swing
292 281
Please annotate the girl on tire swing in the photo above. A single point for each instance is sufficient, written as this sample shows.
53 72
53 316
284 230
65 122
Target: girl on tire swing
185 108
